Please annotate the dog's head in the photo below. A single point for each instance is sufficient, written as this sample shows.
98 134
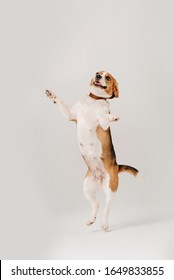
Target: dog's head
104 85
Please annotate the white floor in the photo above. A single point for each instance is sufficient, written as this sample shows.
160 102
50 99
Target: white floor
132 235
50 227
153 239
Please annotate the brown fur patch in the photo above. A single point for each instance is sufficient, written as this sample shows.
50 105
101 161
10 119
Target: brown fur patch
73 120
127 168
100 72
112 86
108 156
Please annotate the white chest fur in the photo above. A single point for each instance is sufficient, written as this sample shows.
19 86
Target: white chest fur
87 112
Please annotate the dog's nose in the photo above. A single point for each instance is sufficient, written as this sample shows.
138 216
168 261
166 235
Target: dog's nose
98 77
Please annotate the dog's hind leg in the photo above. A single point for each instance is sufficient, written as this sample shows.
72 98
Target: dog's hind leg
109 195
109 190
90 189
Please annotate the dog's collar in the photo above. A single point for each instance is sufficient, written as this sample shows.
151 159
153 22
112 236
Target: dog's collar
99 97
96 97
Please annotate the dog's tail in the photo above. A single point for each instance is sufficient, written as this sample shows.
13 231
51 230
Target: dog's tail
127 168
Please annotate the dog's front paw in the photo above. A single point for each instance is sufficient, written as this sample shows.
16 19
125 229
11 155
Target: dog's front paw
51 95
113 118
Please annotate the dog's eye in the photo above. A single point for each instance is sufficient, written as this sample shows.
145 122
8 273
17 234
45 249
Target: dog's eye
108 78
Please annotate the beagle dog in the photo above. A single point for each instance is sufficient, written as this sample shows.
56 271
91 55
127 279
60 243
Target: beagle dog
93 118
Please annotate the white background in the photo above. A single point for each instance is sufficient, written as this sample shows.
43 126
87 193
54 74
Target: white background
59 45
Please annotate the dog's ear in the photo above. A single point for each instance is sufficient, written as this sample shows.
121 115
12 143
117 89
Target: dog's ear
115 88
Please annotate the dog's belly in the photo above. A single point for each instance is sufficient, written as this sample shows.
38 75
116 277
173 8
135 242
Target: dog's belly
90 146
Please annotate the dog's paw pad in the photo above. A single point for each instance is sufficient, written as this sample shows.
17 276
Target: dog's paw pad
50 95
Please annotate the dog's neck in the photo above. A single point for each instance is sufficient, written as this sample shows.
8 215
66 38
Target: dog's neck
99 97
96 97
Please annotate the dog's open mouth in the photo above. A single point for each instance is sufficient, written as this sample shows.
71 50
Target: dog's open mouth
97 84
